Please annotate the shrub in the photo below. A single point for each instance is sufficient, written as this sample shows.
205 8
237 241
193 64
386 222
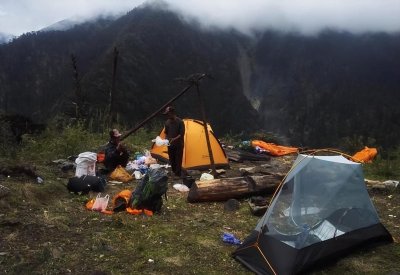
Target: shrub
8 145
355 143
385 166
59 141
62 139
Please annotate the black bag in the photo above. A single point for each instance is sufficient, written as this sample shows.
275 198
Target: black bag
148 194
84 184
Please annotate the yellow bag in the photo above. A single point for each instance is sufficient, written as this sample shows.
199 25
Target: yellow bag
120 174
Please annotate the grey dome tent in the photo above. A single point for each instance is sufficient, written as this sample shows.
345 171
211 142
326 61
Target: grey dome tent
320 211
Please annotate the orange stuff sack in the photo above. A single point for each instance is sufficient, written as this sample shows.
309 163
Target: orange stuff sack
366 155
273 149
121 200
124 194
100 157
89 204
120 174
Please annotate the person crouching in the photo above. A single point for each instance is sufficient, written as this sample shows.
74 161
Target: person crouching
115 152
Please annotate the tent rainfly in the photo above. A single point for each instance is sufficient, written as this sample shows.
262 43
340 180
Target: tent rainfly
320 211
195 152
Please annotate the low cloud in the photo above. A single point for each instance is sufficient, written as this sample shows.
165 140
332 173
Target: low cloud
21 16
304 16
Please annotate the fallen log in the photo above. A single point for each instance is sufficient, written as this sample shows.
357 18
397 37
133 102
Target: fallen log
233 188
376 184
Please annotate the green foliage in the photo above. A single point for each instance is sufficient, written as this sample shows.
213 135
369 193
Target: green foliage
232 139
385 166
355 143
268 137
8 145
60 140
140 140
100 120
63 138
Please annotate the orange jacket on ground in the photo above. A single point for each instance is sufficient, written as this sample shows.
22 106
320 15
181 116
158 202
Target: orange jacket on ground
365 155
273 149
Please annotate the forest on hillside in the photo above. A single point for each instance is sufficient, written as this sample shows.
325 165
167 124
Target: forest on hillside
330 90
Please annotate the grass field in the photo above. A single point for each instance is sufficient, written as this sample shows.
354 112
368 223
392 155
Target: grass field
47 230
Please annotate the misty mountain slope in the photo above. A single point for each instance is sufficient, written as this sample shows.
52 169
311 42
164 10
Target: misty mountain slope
5 37
319 91
330 87
37 67
155 48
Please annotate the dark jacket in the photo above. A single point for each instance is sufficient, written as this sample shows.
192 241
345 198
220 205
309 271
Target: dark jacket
113 157
173 128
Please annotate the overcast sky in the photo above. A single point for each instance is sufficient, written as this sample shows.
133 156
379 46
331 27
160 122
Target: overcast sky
305 16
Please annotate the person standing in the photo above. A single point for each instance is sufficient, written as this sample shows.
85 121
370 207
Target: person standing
175 132
115 152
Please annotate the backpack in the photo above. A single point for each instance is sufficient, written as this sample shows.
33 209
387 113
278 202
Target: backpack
84 184
148 194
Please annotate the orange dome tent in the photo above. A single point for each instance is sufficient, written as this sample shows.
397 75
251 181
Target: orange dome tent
195 152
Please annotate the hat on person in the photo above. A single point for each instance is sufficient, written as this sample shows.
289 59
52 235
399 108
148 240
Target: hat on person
168 110
115 133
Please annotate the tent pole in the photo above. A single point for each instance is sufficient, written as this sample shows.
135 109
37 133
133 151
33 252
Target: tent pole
203 114
137 127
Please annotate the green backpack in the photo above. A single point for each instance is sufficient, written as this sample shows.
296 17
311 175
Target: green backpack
148 194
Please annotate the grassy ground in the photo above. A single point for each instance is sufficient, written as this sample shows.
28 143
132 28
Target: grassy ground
47 230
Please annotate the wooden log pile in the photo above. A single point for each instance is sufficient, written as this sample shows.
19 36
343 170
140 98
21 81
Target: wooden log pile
233 188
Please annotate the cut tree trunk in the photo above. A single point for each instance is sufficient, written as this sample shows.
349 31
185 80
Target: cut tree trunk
379 185
375 184
232 188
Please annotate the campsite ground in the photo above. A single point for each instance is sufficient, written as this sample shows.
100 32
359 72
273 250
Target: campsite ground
46 230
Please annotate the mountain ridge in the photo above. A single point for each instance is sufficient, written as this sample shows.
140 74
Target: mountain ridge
305 88
5 37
